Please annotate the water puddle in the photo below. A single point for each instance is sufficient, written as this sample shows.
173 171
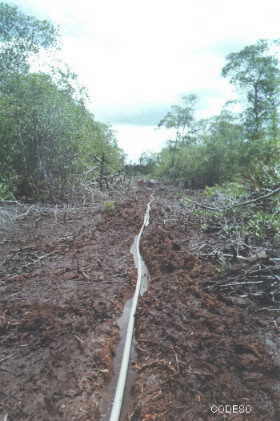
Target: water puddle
108 397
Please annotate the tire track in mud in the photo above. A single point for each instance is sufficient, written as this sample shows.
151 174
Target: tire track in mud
127 346
58 315
198 354
58 326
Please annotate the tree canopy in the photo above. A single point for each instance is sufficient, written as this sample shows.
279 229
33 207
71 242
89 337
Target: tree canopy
231 145
48 137
21 36
258 75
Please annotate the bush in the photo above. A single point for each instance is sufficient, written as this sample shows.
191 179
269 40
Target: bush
109 207
5 191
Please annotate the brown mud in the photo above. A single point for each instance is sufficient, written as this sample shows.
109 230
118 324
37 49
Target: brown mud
64 279
201 356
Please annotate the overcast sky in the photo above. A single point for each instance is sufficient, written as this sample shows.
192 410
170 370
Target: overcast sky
138 57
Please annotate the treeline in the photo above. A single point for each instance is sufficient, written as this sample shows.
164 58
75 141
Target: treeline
233 145
49 140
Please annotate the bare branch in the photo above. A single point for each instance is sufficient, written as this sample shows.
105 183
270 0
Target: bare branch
247 202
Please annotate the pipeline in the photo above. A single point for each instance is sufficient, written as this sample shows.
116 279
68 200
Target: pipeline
119 393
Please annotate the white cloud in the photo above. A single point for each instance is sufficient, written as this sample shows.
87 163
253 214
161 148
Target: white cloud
133 53
137 139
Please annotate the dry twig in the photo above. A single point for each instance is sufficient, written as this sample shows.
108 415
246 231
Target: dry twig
247 202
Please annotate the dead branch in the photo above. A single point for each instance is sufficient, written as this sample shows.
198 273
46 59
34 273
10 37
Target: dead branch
269 309
38 259
240 283
7 358
161 362
247 202
250 259
25 213
204 206
255 200
8 202
84 274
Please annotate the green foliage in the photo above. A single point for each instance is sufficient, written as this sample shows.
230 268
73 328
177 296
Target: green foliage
258 75
234 190
5 192
49 141
262 224
147 162
258 220
210 159
180 119
47 137
260 165
20 37
230 147
109 207
39 128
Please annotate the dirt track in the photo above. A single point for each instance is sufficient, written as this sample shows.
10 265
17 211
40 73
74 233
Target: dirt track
199 354
64 279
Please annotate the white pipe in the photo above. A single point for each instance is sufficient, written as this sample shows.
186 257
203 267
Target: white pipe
118 399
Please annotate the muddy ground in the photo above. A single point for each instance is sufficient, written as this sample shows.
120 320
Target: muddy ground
65 275
201 355
64 278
